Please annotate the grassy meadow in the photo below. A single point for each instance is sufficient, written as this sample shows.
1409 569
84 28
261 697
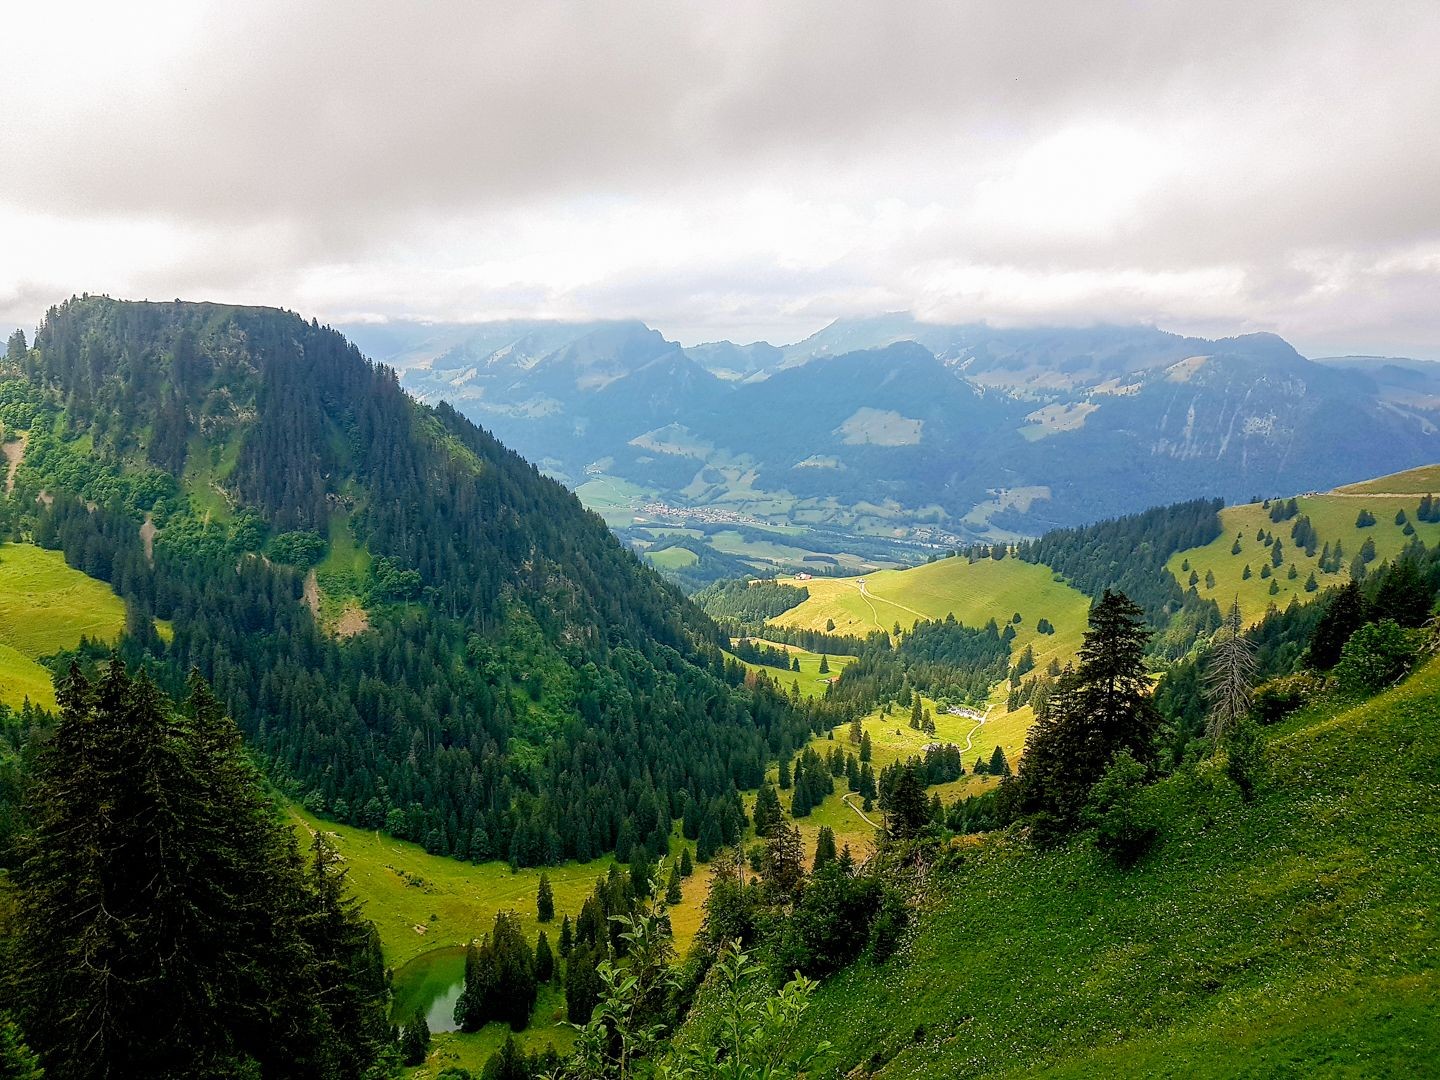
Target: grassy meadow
674 558
811 682
1333 517
403 887
974 593
1411 482
45 606
1294 936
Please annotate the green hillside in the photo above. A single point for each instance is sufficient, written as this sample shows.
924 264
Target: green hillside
1411 482
809 678
413 627
974 593
1334 518
45 607
1294 936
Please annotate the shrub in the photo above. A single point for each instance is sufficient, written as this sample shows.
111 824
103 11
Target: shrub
1124 825
1278 698
1245 758
1376 656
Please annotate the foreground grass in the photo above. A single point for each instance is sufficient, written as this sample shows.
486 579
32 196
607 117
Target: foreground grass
45 607
1295 936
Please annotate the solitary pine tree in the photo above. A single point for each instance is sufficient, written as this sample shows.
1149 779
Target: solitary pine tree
544 900
999 765
1094 711
582 986
544 959
567 938
824 848
908 812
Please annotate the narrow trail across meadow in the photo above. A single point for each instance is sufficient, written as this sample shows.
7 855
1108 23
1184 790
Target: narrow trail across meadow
846 800
978 725
868 595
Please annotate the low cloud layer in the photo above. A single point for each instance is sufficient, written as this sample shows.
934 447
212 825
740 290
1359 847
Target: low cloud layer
739 170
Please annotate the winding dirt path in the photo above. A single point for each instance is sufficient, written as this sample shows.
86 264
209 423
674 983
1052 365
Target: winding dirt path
846 800
978 725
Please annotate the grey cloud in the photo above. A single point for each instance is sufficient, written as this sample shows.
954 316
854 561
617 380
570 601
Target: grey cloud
309 149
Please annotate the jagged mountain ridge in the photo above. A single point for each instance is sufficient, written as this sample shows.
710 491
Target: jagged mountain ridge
1083 422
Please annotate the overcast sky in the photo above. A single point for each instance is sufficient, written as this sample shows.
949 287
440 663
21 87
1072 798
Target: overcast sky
735 169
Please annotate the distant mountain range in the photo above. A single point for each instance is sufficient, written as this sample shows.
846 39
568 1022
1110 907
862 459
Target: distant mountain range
887 424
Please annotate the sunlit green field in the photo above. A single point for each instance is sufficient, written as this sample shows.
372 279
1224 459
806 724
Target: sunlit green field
809 678
1334 519
613 499
1412 482
403 887
674 558
45 606
974 592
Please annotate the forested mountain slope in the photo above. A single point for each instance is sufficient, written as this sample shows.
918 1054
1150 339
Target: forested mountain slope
416 629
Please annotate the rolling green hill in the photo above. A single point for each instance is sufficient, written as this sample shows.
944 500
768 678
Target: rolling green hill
1294 936
1411 482
974 593
45 606
1334 519
414 629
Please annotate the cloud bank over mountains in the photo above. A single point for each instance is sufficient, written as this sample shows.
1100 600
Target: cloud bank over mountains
738 170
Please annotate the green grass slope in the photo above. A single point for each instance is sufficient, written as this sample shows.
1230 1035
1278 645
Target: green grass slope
1334 519
401 887
45 606
1295 936
1411 482
811 682
974 592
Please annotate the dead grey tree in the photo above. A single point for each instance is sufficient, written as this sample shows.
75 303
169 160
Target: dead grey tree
1229 676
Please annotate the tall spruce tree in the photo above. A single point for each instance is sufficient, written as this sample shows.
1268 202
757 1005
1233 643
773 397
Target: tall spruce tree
165 925
1097 709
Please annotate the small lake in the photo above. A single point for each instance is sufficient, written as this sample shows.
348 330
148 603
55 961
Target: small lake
431 984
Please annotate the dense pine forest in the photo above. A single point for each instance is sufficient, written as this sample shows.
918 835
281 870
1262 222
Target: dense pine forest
526 688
